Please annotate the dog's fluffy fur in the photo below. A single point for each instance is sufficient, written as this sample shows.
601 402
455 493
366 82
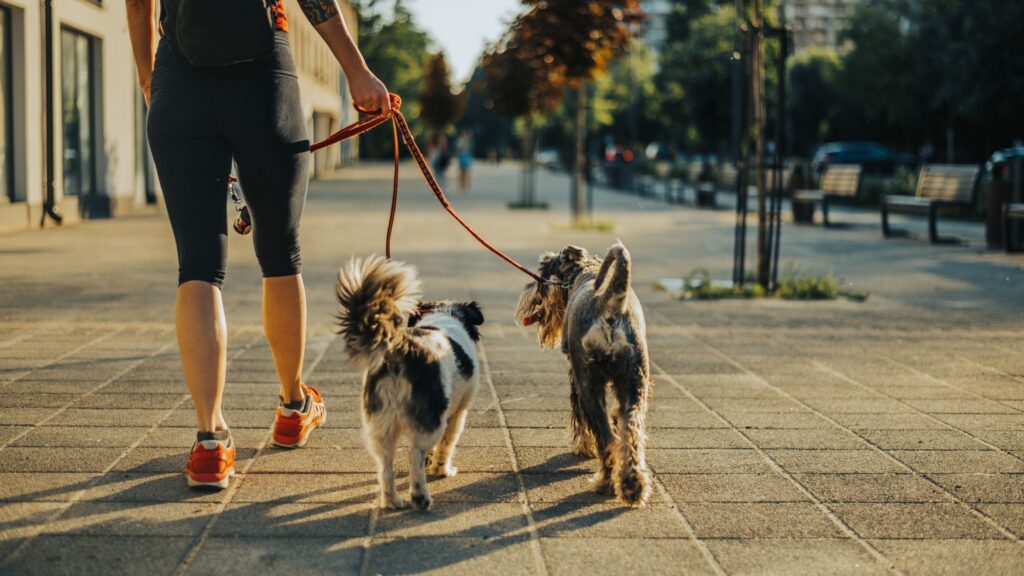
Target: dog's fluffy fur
420 370
591 311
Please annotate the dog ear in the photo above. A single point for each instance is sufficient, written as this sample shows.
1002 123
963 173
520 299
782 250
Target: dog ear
572 253
472 313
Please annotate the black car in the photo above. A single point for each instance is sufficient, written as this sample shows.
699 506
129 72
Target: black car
874 157
1000 165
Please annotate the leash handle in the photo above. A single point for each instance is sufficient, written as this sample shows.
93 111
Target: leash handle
373 119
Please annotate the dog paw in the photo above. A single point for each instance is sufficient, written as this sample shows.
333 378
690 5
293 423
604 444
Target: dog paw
634 489
446 471
422 501
395 503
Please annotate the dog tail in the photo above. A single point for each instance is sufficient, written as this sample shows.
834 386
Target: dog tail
375 299
612 283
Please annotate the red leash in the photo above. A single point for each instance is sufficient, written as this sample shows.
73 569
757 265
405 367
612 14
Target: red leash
374 119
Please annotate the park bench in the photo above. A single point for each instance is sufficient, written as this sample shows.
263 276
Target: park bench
938 186
1012 213
838 182
725 181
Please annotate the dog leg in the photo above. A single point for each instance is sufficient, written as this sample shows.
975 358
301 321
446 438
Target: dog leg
595 415
441 459
631 479
383 441
418 478
583 443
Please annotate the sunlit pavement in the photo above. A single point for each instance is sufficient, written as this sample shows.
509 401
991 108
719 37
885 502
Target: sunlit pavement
785 437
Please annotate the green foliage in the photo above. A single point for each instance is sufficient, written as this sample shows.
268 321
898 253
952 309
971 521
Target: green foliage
814 98
695 79
439 106
698 285
396 50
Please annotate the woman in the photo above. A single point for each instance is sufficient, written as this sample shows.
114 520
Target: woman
200 120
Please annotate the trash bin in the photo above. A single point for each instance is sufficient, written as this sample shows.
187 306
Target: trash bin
1005 171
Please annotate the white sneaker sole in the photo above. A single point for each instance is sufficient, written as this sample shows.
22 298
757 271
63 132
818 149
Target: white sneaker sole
221 484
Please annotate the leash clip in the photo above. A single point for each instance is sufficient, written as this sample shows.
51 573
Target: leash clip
243 220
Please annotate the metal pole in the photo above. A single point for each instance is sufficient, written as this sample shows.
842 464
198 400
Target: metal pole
780 147
739 150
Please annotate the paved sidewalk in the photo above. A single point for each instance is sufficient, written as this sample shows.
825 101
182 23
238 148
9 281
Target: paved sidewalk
882 437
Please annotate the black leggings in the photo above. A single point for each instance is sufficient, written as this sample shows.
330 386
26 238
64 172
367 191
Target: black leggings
202 118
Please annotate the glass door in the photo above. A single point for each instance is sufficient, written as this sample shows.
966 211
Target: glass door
77 112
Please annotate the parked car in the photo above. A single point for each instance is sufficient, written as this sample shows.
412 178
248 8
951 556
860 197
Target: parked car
874 157
549 158
1000 165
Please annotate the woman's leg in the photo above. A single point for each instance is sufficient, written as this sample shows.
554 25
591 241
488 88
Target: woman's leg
202 340
284 321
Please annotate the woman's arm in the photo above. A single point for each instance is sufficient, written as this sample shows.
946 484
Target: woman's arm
367 90
141 29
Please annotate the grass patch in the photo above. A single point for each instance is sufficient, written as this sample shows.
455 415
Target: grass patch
522 206
588 225
698 285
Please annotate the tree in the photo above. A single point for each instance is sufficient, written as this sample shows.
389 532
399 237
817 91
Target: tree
397 51
815 99
579 38
695 80
439 106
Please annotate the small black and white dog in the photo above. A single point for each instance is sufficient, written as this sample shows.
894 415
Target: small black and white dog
420 365
592 313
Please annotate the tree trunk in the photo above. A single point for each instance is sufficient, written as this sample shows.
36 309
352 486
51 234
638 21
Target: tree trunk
757 64
579 192
527 195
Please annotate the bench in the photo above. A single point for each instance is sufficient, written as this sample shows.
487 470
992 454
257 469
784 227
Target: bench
838 182
939 186
1012 213
725 181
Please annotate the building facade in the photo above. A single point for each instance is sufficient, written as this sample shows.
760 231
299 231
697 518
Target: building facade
655 26
817 23
72 119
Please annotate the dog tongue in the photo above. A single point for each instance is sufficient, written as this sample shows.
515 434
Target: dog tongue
531 319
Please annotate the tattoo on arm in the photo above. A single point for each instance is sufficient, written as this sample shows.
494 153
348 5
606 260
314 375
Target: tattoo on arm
319 11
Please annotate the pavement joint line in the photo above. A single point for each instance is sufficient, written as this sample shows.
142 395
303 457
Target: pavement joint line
691 532
87 394
77 496
1014 377
20 337
524 497
850 532
229 494
67 354
947 384
1009 534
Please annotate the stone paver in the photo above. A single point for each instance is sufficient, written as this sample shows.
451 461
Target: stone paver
830 437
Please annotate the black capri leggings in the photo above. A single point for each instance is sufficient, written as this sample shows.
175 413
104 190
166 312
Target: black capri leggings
201 118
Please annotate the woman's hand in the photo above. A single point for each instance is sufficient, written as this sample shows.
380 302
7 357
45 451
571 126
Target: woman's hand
144 83
369 93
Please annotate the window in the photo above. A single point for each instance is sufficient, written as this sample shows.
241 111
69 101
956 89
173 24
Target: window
78 88
6 120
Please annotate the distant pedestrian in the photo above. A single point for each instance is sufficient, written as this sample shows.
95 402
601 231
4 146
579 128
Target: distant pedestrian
464 148
222 87
439 157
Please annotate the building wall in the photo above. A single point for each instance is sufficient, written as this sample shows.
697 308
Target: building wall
817 23
124 179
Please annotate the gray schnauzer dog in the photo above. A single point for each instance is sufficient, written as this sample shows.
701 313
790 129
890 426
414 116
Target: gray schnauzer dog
590 310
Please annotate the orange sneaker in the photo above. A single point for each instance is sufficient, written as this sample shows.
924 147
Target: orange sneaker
211 463
293 427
